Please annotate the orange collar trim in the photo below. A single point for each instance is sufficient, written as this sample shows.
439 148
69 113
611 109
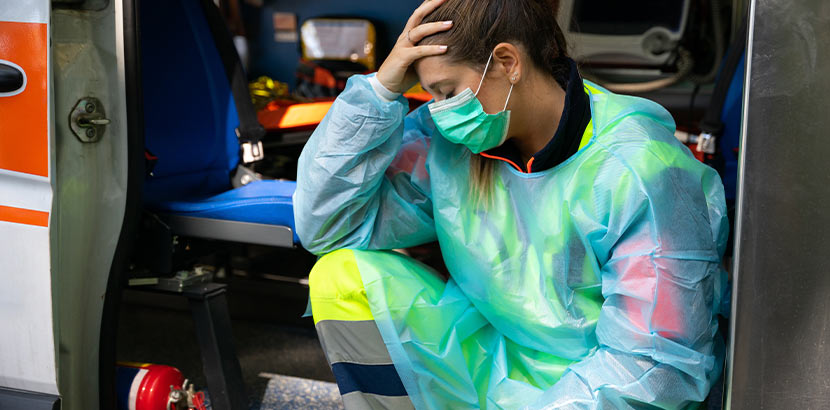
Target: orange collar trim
518 168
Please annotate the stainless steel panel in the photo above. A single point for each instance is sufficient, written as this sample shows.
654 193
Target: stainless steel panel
244 232
90 191
781 304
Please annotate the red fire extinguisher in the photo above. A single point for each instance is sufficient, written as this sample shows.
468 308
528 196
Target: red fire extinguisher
155 387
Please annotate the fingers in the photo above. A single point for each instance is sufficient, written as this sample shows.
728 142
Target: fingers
424 30
419 52
428 6
394 71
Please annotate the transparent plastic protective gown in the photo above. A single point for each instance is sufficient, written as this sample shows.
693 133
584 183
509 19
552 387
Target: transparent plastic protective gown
591 285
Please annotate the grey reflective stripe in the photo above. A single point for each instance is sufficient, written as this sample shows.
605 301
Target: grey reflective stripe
352 342
364 401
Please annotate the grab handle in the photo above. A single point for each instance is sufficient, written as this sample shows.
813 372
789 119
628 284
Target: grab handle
12 79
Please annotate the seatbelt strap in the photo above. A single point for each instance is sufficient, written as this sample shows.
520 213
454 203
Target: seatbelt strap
712 124
250 131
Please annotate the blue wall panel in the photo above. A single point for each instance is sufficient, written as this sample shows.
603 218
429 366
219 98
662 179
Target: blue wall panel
279 60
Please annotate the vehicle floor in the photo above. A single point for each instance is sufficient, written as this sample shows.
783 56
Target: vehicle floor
271 339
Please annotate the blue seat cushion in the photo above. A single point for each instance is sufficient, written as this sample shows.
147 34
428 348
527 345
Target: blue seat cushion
261 202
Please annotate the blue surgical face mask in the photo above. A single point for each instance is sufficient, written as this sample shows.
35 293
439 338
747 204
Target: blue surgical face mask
462 120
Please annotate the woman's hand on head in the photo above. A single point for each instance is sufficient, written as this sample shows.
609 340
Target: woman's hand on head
396 73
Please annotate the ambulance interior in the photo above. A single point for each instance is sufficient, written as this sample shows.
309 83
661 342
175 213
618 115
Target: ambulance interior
215 280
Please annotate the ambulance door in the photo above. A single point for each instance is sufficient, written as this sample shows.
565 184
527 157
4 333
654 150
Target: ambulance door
27 324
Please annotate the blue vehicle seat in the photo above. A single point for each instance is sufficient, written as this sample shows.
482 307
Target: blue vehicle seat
193 124
263 202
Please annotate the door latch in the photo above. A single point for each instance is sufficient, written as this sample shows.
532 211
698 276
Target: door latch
88 120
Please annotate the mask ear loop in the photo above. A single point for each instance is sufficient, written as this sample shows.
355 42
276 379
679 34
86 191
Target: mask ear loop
486 67
485 74
508 97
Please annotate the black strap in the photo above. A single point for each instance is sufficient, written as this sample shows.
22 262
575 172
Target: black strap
712 123
250 130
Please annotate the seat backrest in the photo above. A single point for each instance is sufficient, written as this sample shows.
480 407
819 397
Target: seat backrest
190 115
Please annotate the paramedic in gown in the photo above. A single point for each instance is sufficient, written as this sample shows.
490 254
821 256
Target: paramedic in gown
583 241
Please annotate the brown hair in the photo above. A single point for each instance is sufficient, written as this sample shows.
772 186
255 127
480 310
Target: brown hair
480 25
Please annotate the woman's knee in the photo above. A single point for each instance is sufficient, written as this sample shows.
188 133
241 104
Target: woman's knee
336 282
336 289
334 274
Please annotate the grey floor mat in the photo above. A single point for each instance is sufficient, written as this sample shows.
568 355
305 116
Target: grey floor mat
294 393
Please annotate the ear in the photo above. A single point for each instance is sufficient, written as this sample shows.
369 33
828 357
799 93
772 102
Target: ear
507 61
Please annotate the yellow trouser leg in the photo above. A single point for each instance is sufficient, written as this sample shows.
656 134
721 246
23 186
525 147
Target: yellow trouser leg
350 338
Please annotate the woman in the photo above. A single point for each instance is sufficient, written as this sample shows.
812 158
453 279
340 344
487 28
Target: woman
583 241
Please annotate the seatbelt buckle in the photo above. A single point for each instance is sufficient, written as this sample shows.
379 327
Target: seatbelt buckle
706 143
252 151
243 176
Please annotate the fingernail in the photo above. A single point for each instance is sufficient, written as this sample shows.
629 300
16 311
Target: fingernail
442 48
448 23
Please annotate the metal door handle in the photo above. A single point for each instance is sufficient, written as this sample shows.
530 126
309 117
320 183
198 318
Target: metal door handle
11 79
